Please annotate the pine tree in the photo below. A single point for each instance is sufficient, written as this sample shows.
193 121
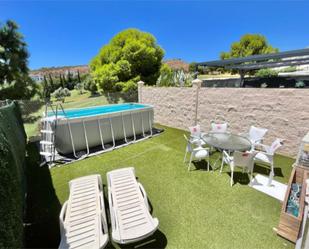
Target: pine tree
78 76
51 82
69 76
46 90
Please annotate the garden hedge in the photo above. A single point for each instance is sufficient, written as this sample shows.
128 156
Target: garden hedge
12 176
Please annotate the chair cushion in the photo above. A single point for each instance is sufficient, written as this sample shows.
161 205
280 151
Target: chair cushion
201 154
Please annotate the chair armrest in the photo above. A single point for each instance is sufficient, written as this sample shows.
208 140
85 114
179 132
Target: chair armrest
269 155
62 217
258 141
265 147
112 211
103 215
144 195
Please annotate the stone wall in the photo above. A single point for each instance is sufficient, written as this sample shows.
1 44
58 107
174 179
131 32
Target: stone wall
285 112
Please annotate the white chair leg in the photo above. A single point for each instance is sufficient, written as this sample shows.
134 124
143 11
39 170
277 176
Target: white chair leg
207 163
222 164
190 162
232 177
251 173
184 160
271 175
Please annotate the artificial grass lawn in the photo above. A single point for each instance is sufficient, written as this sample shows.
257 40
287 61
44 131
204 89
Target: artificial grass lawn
196 209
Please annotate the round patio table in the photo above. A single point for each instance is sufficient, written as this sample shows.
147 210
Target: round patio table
227 141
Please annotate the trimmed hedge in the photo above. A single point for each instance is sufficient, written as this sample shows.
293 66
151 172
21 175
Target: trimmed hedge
12 176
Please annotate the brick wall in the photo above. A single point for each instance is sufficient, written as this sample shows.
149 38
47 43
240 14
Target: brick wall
285 112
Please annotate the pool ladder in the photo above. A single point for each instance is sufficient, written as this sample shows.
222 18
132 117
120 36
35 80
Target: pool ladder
49 125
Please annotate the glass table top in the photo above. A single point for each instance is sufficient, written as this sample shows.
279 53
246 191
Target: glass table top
227 141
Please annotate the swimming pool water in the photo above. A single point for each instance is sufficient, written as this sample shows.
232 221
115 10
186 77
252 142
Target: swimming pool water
97 110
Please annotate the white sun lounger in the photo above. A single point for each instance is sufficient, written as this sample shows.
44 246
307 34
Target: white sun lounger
82 217
129 209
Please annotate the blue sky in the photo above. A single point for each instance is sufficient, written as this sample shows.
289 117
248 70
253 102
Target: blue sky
72 32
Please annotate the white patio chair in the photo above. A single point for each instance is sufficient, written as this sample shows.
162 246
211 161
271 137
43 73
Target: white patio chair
196 134
197 152
255 135
244 160
129 209
219 127
267 156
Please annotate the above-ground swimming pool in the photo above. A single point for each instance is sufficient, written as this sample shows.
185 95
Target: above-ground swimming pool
80 129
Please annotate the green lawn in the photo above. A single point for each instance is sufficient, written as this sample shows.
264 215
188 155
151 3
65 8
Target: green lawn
196 209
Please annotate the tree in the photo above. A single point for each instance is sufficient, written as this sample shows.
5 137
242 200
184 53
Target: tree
14 79
249 44
90 85
61 93
131 55
78 77
79 87
192 67
51 82
46 88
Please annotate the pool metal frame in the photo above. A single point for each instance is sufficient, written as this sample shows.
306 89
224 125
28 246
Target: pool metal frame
56 119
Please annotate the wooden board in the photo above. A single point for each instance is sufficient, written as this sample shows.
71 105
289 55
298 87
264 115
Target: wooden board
289 225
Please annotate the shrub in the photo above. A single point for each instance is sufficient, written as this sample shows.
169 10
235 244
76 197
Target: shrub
266 73
79 87
90 85
61 93
12 190
299 84
168 77
264 85
289 69
192 67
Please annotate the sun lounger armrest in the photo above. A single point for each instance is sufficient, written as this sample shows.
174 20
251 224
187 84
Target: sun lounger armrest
61 217
144 195
112 211
104 221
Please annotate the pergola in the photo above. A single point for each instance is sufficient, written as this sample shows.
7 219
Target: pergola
255 62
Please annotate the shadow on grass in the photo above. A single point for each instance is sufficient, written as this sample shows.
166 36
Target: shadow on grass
157 240
94 95
241 178
265 170
202 165
31 119
43 206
